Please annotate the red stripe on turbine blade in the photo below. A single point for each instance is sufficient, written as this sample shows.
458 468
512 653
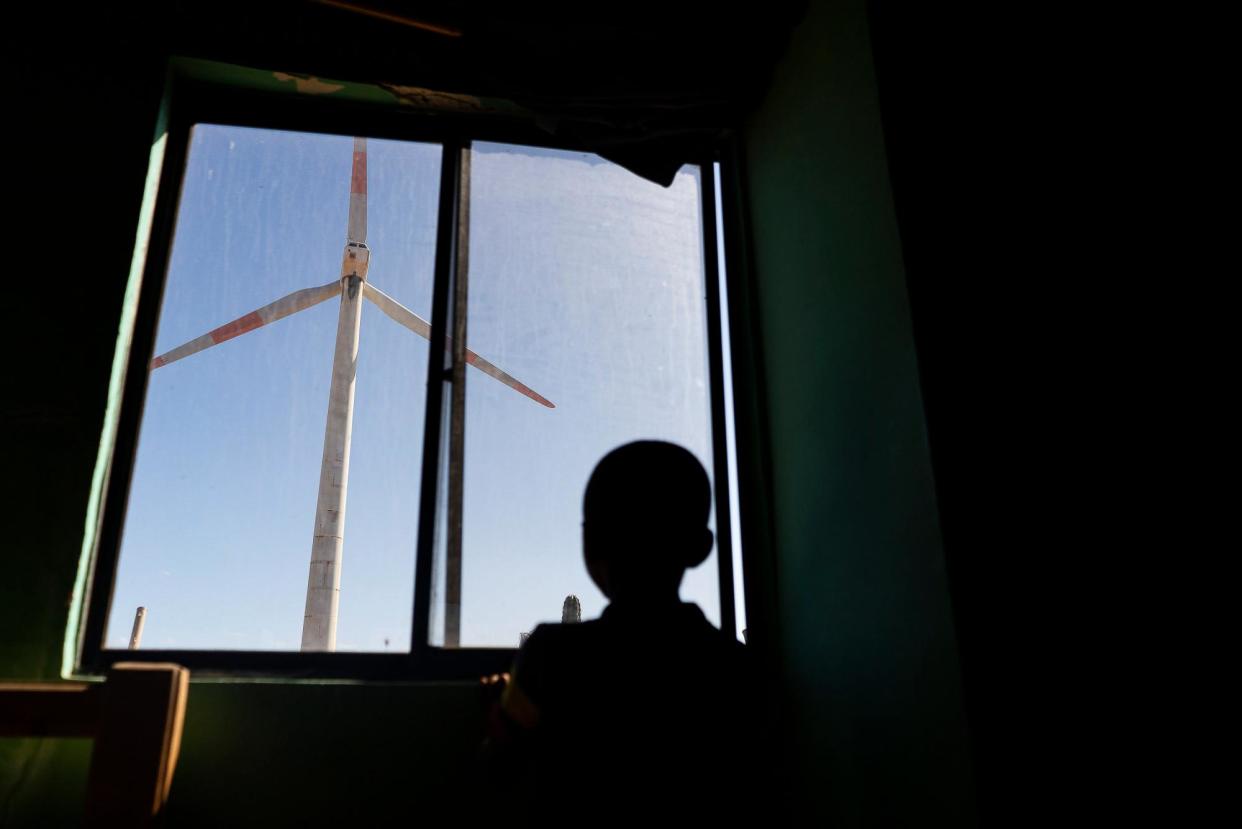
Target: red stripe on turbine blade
536 396
156 362
237 327
358 184
517 385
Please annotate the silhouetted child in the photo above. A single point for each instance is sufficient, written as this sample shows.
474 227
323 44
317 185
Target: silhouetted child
648 711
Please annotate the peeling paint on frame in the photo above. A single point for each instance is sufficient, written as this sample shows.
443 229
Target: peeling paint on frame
309 84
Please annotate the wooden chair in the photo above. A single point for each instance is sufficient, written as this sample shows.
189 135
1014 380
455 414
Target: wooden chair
135 719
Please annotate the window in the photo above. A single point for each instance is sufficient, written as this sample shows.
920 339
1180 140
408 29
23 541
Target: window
234 477
279 436
588 282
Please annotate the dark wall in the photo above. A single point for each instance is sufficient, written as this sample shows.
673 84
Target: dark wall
990 130
876 724
81 123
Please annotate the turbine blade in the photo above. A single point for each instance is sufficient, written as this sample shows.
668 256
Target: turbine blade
281 308
358 194
398 312
420 326
506 378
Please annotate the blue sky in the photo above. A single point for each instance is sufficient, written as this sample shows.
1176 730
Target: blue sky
586 283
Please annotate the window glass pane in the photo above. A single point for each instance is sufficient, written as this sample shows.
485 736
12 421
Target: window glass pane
586 283
222 508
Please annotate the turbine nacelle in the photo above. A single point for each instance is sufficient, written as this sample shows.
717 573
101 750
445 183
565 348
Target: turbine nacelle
357 261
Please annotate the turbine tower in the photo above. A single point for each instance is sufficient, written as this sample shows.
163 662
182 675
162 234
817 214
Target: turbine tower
323 589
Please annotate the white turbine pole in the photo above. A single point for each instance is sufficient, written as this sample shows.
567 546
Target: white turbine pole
323 588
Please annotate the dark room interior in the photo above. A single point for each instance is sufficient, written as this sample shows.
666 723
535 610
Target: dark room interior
877 448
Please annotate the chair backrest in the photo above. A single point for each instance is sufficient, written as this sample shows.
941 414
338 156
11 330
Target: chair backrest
135 719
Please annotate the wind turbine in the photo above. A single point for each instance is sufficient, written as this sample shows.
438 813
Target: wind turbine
324 584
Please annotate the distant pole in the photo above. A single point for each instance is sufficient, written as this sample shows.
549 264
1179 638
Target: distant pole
571 610
140 619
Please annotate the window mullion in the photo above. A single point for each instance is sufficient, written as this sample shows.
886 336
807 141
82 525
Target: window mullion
437 373
457 410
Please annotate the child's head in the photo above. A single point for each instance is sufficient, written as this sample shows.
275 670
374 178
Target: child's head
644 520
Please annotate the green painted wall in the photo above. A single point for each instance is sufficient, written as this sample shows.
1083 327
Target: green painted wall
875 720
280 755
